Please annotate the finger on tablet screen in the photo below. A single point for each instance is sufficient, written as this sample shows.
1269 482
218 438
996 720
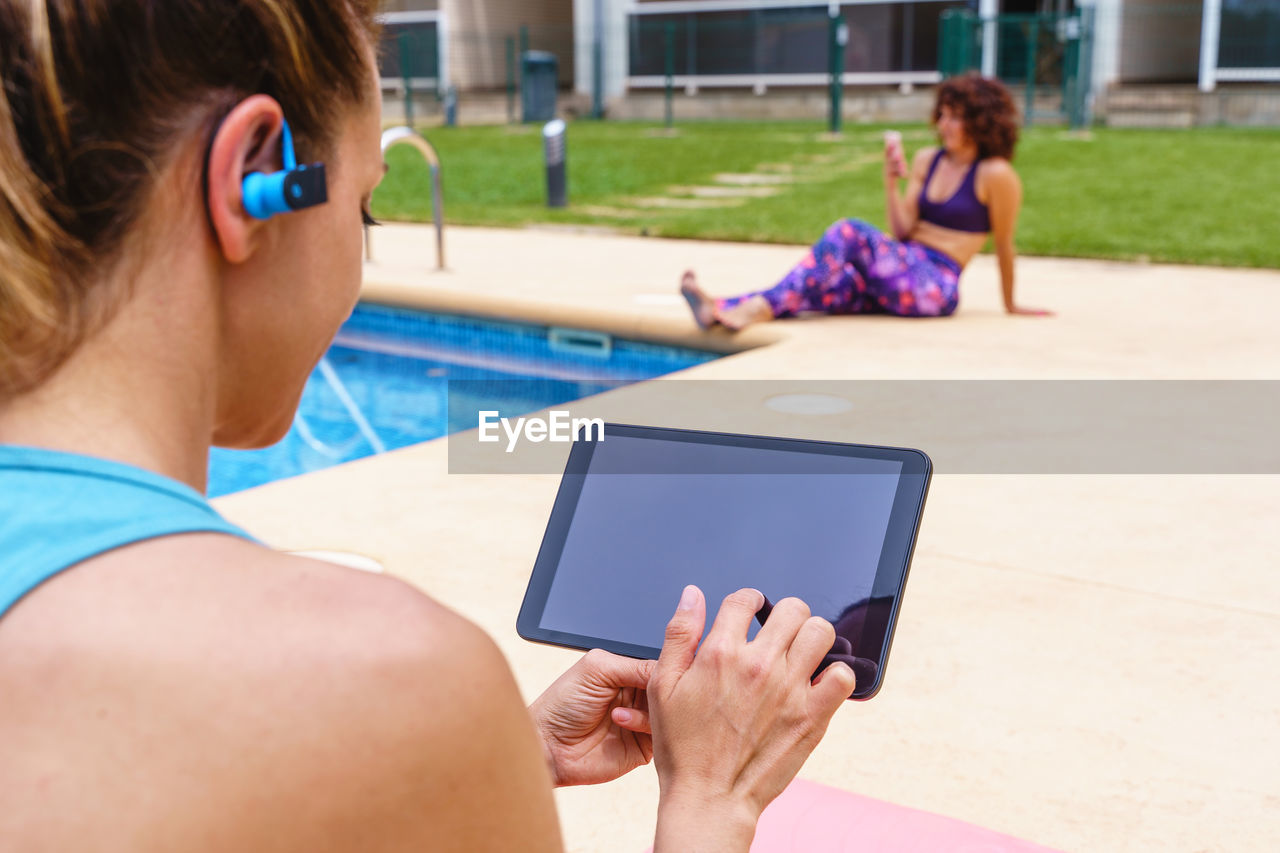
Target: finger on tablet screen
784 624
684 632
736 613
835 685
864 669
812 643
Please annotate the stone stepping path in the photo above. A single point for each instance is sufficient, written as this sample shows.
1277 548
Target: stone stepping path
676 203
749 179
734 189
743 192
605 211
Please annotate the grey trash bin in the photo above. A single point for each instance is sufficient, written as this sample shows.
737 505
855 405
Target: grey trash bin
538 86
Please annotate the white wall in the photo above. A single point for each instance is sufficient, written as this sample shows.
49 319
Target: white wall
1162 41
614 27
477 31
1107 33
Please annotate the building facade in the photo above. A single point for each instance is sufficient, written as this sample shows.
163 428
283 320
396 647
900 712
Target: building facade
469 44
609 49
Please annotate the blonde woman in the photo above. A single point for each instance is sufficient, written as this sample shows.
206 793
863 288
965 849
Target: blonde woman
168 279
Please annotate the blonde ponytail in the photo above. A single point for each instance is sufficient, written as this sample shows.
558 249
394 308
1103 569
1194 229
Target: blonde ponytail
95 94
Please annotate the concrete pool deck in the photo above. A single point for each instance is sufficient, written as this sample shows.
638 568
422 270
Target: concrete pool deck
1085 662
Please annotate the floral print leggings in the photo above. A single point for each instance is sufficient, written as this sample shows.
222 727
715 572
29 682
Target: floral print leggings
856 269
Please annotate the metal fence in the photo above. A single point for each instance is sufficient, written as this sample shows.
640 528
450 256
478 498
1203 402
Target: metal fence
482 67
868 44
1072 67
882 43
1047 57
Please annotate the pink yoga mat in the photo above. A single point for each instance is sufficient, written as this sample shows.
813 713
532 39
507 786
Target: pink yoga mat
813 818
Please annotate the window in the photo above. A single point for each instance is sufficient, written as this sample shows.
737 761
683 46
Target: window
1250 34
883 37
410 49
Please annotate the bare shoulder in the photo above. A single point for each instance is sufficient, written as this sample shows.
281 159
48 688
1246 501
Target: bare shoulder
254 609
920 163
272 702
998 183
998 171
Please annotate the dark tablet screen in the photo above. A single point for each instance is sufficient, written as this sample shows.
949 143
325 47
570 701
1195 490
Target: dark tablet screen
646 511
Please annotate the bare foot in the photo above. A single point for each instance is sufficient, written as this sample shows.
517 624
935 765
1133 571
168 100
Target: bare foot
753 310
702 306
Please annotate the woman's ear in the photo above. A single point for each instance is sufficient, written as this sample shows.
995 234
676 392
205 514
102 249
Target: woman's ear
247 140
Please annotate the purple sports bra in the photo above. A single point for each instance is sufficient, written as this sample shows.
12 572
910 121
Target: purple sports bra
961 212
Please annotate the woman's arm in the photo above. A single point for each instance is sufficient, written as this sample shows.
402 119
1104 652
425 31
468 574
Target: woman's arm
903 209
597 722
733 720
1004 200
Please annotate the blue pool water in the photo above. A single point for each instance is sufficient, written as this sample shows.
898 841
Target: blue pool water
384 384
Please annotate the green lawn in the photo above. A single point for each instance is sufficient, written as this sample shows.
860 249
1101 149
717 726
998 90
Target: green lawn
1205 196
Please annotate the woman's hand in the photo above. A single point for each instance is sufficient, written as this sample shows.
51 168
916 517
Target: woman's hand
733 723
901 207
594 721
895 158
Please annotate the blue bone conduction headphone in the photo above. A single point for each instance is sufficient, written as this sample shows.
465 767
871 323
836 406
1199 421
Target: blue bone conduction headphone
297 187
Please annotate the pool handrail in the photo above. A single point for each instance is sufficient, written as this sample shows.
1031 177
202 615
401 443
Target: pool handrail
408 136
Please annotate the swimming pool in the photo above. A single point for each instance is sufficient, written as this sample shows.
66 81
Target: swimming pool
384 384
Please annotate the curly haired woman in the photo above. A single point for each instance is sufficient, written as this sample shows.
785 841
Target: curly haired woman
957 195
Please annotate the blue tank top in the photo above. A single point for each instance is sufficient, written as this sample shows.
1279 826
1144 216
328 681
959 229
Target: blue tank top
59 509
961 212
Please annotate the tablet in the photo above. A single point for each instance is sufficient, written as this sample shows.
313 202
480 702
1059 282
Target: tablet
643 511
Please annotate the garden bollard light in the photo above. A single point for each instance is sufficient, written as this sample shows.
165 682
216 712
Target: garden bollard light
451 106
554 150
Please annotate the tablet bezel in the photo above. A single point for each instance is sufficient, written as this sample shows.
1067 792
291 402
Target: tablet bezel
891 573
